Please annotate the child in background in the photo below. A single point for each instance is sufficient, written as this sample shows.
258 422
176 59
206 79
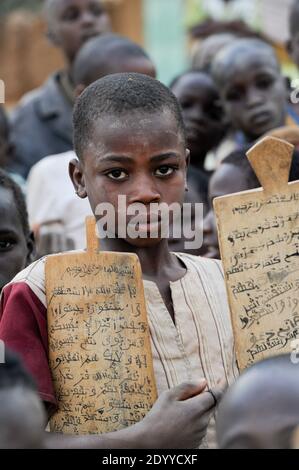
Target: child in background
42 123
261 410
22 415
16 240
252 89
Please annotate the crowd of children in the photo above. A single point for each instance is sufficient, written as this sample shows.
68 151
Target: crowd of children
105 127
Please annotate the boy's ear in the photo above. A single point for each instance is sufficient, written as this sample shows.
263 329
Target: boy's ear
187 160
76 175
31 249
52 37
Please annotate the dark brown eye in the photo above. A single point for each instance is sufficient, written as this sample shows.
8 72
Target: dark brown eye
117 174
71 14
164 170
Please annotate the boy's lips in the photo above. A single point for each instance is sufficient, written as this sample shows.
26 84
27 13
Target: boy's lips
260 118
89 35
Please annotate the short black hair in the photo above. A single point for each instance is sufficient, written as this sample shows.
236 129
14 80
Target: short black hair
13 373
236 50
95 55
294 18
199 71
118 95
239 159
8 183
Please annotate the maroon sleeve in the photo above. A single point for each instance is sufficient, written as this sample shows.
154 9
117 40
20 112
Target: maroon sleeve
23 328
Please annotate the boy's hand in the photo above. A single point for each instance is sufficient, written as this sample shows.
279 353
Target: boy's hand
180 417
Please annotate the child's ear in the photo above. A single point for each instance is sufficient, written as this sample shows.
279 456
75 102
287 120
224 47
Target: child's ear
52 38
31 249
187 160
76 175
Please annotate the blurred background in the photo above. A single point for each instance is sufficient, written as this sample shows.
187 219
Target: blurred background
168 29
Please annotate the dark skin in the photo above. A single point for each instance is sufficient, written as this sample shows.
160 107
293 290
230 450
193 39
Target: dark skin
254 92
15 248
227 179
202 113
144 159
149 167
48 239
260 411
72 22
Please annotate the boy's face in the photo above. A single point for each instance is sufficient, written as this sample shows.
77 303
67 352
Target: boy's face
254 94
202 113
226 179
15 250
141 157
74 22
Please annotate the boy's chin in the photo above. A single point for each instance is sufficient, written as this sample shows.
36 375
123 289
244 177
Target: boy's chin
143 242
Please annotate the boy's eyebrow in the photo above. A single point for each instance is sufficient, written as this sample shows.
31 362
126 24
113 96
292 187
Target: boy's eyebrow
164 156
126 159
116 159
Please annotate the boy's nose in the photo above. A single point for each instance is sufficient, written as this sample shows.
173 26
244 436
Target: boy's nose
253 98
87 19
144 191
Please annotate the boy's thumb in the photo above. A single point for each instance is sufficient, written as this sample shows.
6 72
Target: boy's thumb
188 390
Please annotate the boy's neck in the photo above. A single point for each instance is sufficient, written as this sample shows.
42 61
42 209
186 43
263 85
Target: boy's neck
156 261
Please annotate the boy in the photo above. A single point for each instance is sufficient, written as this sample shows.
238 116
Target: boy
22 416
261 410
100 56
252 89
202 112
130 141
42 122
16 240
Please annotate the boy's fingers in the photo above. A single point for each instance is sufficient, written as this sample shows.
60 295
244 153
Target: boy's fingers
209 398
187 390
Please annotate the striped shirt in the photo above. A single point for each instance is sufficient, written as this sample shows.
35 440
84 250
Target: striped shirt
199 344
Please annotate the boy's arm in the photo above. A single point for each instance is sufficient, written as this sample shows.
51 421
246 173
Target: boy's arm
178 420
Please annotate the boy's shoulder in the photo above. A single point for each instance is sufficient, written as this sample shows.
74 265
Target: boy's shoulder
34 277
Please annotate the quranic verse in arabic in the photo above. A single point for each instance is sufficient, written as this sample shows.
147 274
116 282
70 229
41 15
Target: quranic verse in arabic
99 344
259 239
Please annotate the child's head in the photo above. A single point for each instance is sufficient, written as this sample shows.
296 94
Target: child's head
293 43
109 54
16 243
202 113
130 140
261 410
251 86
207 49
22 416
72 22
234 174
